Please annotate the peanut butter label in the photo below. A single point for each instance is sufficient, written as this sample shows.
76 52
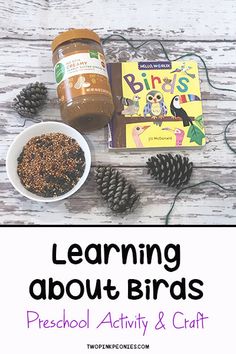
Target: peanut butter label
80 74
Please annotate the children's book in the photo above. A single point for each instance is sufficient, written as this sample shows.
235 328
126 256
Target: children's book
157 104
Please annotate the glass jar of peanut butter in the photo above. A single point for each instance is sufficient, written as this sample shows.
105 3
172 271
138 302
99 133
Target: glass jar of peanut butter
82 82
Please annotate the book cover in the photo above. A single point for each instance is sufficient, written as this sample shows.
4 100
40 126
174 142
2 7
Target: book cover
157 105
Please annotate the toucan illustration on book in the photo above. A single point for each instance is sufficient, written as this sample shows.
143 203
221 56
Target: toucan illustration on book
177 110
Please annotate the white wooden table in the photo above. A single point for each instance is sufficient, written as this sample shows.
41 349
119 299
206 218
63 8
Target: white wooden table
205 27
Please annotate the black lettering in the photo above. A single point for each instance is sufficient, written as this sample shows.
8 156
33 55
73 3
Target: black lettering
175 258
182 289
42 285
97 292
125 252
109 289
75 251
156 285
150 250
196 290
54 255
107 250
141 255
81 289
97 259
134 287
51 289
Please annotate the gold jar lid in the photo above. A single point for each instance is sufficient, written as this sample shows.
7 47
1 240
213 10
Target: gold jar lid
74 34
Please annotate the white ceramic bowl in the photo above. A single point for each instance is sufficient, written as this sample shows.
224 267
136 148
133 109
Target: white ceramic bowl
36 130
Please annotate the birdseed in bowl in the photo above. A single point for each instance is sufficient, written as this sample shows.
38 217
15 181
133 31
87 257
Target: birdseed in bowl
50 165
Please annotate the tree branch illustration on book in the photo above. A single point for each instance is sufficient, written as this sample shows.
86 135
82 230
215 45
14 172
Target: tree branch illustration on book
154 109
185 69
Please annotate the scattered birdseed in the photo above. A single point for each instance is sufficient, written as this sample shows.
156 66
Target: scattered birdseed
51 164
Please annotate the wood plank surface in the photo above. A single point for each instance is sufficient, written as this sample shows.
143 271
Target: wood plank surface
205 28
202 205
201 20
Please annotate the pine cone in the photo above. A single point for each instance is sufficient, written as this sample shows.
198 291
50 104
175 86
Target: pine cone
119 194
175 171
30 99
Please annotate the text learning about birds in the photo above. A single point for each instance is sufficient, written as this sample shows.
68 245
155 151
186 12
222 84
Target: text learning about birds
157 104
